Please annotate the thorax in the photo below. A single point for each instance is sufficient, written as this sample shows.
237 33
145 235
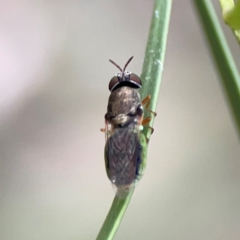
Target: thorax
123 104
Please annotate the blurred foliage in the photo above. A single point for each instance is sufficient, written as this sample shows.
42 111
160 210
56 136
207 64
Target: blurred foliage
222 56
231 15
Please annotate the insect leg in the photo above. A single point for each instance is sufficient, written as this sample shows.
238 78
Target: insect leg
105 130
146 121
146 102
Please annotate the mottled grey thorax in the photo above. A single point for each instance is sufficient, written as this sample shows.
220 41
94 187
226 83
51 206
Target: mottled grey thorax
123 100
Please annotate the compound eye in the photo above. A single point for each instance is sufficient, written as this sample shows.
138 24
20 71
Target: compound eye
114 81
135 79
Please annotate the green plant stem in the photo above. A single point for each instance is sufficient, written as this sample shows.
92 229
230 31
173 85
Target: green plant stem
154 55
114 217
151 77
223 59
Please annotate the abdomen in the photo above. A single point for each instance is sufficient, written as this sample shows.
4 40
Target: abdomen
123 156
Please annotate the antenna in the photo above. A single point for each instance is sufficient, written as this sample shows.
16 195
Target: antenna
129 60
111 61
122 70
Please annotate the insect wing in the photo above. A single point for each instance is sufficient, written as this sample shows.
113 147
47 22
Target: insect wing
123 156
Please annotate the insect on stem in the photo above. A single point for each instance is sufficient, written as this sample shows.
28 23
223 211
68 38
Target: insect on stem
126 147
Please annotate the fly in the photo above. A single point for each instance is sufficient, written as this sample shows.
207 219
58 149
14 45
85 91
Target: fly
126 146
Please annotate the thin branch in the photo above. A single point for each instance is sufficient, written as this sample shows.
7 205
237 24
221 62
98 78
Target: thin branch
222 56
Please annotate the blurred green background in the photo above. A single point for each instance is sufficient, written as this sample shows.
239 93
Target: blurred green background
54 75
